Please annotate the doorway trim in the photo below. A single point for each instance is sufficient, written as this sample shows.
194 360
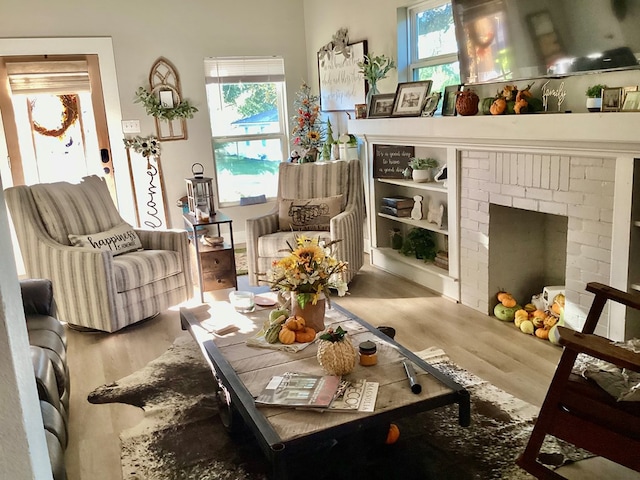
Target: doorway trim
103 47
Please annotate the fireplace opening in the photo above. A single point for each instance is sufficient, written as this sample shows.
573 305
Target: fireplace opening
527 252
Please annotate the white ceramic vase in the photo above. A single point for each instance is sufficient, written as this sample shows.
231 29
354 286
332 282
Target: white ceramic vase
421 176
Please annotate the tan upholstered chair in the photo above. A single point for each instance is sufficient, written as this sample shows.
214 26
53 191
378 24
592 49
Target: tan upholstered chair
304 183
94 288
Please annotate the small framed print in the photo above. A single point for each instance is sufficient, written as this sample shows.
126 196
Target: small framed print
361 110
381 105
431 104
410 98
611 98
631 102
166 98
449 100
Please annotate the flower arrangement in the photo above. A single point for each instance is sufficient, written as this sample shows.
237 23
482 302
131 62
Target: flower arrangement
375 68
154 107
307 127
147 146
310 269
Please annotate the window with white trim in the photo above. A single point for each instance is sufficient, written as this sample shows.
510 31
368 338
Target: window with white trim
433 50
245 96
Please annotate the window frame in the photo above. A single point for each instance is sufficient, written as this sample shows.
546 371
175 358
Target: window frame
282 135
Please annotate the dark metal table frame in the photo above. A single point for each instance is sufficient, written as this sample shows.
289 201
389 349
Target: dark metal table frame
269 440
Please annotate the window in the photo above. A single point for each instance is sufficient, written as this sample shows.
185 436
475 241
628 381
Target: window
433 50
245 96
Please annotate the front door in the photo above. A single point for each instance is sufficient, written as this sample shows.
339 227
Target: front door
54 119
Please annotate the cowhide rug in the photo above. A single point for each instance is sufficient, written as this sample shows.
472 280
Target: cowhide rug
181 436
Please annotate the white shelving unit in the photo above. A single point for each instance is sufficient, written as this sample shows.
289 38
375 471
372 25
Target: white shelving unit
440 280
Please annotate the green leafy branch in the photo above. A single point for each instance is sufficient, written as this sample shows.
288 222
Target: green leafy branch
375 68
152 105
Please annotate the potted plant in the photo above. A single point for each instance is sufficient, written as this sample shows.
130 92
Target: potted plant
422 169
419 242
594 97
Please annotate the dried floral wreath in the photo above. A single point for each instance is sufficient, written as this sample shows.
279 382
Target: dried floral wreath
68 117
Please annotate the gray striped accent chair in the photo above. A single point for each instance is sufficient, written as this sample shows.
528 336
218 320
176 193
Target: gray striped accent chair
93 288
265 241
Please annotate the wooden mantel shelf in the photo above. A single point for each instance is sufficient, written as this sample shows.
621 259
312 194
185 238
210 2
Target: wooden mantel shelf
615 132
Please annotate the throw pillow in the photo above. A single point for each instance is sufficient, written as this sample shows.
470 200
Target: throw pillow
120 239
309 213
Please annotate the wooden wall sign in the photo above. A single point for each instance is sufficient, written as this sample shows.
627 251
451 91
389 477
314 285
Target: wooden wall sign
341 86
390 161
148 190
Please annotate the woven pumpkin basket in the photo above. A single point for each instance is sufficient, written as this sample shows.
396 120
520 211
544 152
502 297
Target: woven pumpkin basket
338 357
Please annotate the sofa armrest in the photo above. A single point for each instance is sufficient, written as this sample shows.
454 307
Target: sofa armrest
348 227
255 228
37 297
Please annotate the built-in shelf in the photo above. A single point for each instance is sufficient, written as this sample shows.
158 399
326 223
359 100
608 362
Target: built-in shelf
431 186
415 262
416 223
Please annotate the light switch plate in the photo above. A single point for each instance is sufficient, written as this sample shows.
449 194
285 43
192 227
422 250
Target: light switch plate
130 126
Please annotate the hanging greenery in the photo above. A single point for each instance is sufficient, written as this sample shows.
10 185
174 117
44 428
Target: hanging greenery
151 103
68 117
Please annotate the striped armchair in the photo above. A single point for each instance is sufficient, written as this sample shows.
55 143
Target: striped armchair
93 288
265 239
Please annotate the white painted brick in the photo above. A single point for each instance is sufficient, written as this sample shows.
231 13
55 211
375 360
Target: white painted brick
528 170
492 167
596 253
580 211
484 229
513 178
513 190
473 183
594 277
469 224
573 248
595 200
498 199
604 268
506 169
604 242
601 228
485 163
470 245
472 162
466 202
538 194
479 153
499 166
483 207
554 172
578 171
586 186
522 169
574 284
546 171
606 215
481 174
537 167
575 198
480 217
554 208
587 161
479 195
604 174
574 225
525 204
589 239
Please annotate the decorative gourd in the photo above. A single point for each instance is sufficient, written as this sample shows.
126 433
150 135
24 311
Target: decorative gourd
550 321
295 323
527 327
502 295
509 301
286 336
393 434
273 332
537 322
467 102
306 334
520 316
542 333
336 353
274 315
498 106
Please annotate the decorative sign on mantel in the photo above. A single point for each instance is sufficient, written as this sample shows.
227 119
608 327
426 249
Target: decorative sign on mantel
341 84
390 161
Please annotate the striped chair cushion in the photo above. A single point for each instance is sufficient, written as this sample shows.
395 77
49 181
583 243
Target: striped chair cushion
314 180
136 269
80 209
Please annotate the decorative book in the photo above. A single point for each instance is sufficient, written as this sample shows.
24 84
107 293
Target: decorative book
396 212
300 390
398 202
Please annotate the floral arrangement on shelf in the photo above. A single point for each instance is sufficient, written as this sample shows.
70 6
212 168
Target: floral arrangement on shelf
147 146
375 68
310 269
154 107
307 128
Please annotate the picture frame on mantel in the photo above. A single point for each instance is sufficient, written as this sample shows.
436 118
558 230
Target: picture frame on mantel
410 98
341 84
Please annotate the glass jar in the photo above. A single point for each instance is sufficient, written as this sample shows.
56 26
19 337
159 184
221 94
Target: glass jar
396 239
368 353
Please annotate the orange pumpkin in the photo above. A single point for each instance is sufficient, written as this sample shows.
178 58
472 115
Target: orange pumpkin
498 106
509 302
295 323
393 434
287 336
542 333
307 334
501 295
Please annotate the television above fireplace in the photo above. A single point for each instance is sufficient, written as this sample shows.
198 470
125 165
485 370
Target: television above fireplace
504 40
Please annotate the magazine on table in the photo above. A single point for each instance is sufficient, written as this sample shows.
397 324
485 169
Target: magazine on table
300 390
356 396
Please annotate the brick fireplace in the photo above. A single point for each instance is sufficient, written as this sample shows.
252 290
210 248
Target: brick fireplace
578 188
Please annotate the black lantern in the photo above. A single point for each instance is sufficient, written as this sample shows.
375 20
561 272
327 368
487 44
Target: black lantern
200 193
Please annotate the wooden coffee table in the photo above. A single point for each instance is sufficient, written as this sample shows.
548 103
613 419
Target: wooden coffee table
242 372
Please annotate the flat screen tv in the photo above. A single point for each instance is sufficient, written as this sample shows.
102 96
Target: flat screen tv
502 40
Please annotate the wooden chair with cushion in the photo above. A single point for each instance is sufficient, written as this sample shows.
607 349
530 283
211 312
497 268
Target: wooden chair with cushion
105 273
578 410
320 200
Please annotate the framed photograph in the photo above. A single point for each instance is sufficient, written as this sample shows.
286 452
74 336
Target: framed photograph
449 100
381 105
341 86
611 98
431 104
625 90
361 110
410 98
631 102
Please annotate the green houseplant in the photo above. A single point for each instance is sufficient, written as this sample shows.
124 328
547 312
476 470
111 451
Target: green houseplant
422 169
594 97
419 242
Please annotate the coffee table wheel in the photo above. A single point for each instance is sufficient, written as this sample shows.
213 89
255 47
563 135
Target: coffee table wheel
229 415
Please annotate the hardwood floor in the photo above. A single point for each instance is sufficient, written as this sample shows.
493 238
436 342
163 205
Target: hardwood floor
519 364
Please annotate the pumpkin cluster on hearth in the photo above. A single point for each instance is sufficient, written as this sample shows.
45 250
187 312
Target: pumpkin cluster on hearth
531 319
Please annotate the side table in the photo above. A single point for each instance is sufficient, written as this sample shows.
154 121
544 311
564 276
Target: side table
216 266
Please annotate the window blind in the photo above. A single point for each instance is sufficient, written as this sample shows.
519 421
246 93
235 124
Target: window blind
244 69
54 77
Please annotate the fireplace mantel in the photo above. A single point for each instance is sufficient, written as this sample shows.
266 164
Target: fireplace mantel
614 133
